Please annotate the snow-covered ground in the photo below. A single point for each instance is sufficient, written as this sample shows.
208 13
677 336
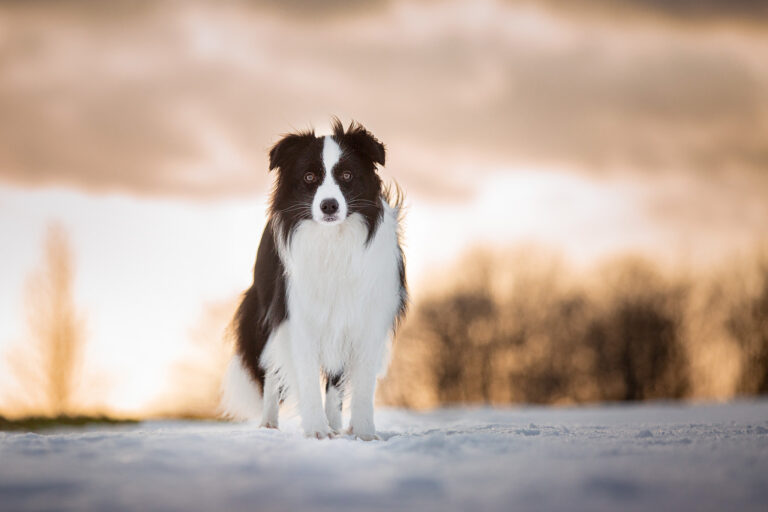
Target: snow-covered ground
645 457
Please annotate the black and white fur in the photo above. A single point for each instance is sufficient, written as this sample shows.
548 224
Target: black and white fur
328 288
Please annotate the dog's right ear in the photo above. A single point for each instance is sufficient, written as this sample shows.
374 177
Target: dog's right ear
287 147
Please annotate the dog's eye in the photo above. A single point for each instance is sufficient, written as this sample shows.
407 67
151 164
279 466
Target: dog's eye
309 177
346 176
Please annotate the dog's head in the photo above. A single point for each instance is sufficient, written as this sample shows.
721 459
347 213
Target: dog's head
327 179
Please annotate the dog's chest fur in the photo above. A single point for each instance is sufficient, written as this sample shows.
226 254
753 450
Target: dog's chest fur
341 288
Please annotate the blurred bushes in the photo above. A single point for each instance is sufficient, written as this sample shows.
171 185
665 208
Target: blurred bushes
520 327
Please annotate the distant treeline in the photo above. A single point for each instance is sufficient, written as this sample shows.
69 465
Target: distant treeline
520 327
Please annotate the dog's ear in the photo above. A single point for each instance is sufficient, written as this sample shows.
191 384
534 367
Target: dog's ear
285 148
361 140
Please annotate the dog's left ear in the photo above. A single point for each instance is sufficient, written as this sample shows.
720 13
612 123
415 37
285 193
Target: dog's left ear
361 140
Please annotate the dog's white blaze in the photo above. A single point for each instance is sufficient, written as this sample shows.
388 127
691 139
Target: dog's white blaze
342 298
328 188
331 153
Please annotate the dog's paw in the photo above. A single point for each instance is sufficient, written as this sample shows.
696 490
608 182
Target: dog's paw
318 431
320 434
363 434
269 424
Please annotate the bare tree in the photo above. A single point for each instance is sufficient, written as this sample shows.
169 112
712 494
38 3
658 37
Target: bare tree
56 330
748 324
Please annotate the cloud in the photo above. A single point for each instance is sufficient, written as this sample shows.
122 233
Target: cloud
171 100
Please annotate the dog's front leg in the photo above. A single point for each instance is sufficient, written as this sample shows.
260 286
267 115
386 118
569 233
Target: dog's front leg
306 369
362 377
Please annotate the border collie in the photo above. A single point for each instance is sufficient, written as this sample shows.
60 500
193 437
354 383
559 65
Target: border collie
328 286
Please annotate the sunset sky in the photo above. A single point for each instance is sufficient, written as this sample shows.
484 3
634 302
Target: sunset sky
142 128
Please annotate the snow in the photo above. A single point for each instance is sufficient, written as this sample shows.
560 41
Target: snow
641 457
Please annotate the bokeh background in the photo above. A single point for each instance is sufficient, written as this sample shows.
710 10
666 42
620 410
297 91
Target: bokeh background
587 190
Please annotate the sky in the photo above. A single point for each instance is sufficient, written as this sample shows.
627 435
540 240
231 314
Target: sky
142 128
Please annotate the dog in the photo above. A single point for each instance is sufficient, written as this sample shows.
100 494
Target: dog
329 286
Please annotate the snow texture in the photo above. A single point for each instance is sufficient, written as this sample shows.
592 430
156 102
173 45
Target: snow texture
645 457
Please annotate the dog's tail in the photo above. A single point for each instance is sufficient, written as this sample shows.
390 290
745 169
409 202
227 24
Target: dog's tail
240 394
241 387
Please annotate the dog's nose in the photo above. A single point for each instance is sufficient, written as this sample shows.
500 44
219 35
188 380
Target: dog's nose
329 206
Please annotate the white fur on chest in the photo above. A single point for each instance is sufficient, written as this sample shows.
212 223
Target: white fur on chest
344 292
